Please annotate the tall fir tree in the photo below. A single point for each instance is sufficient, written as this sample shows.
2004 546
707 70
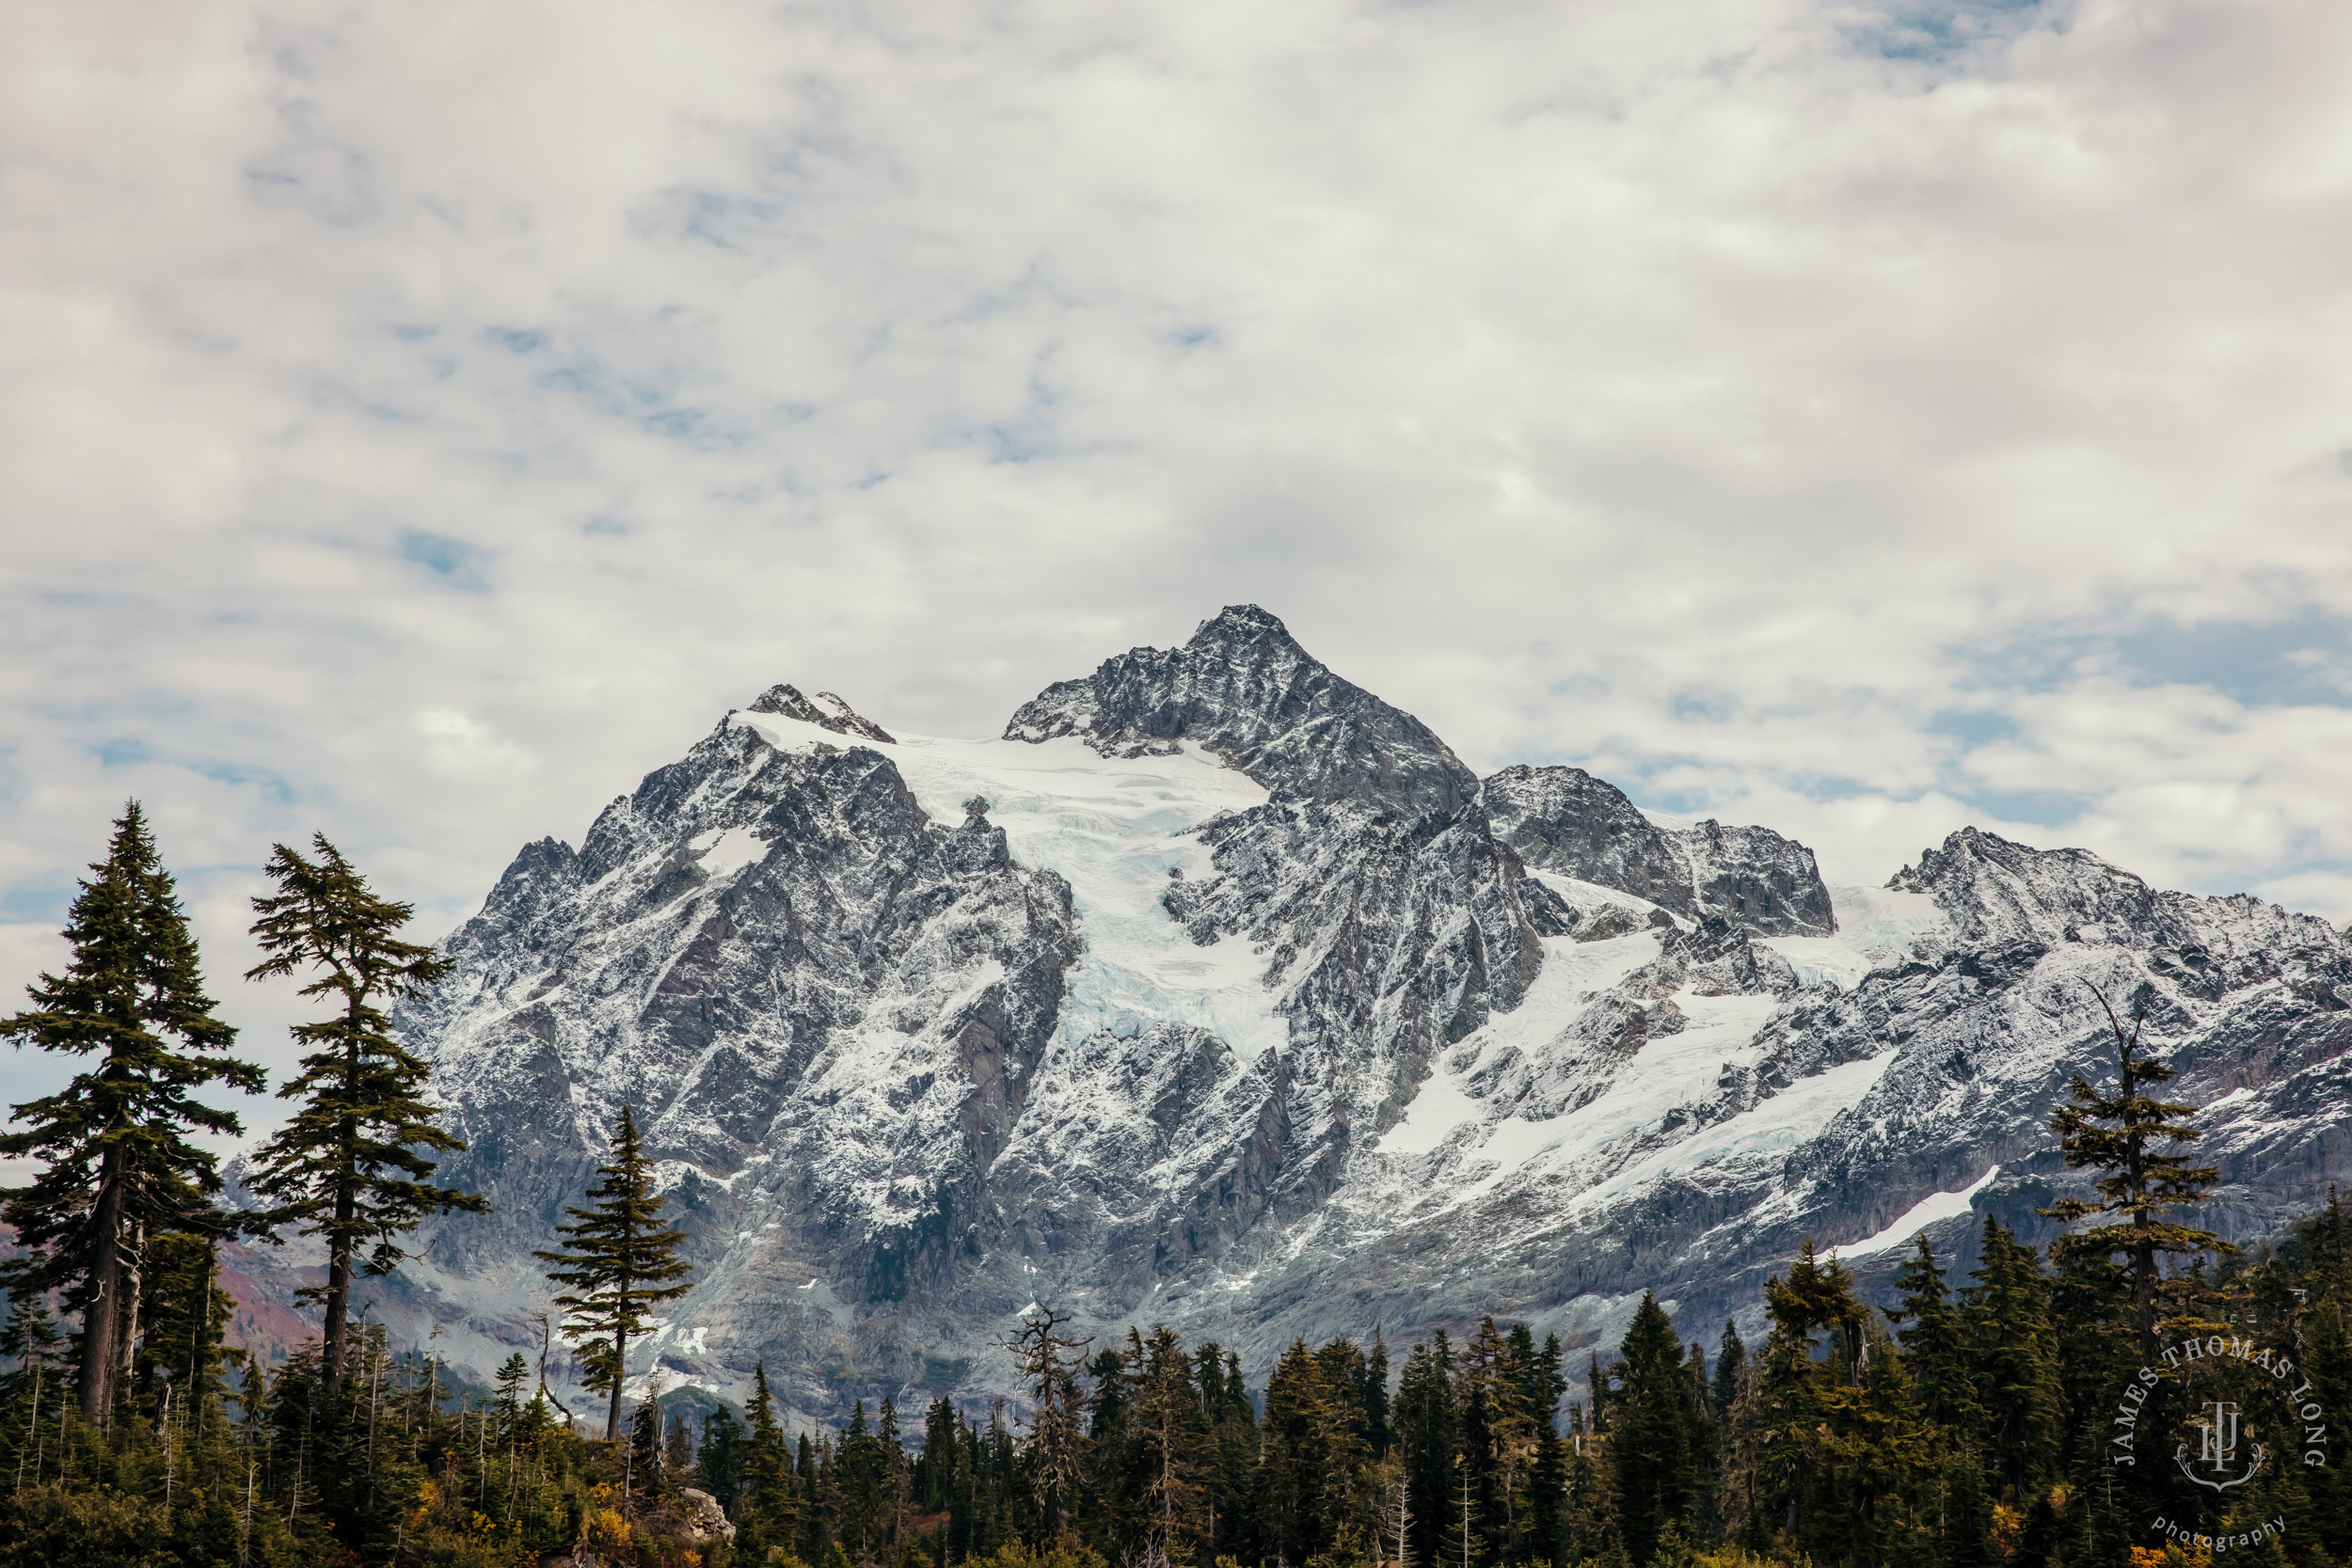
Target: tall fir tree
621 1263
767 1507
1167 1422
1730 1357
1651 1444
1296 1484
1935 1341
1425 1427
119 1166
2118 1133
2011 1351
351 1165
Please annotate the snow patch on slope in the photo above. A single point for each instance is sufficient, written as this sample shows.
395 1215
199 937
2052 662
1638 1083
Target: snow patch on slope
723 851
1573 973
1118 830
1932 1210
1876 928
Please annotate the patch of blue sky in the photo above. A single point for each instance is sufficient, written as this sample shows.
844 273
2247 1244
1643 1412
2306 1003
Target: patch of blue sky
2303 661
121 751
1940 32
1705 707
2298 660
336 395
37 903
1833 787
2043 808
1674 803
2033 666
413 332
1972 726
1015 445
276 786
515 340
456 562
646 404
709 218
692 427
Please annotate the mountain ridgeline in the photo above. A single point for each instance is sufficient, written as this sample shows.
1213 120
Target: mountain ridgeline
1217 992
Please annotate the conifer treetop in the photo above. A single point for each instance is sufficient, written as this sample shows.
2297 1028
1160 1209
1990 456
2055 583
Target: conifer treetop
133 990
620 1263
350 1164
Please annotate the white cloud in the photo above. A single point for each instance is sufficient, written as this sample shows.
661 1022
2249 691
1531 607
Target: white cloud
418 422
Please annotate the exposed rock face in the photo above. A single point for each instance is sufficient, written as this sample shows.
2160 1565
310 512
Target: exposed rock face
1563 820
1218 994
1244 690
1758 880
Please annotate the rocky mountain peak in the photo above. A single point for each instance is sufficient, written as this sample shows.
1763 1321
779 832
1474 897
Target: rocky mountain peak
1566 821
1994 890
1244 690
825 710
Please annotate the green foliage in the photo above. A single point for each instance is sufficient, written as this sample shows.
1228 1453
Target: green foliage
620 1263
2118 1133
1953 1442
1652 1441
117 1163
350 1167
760 1468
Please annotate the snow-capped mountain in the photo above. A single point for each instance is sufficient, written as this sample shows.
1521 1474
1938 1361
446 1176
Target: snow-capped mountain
1218 992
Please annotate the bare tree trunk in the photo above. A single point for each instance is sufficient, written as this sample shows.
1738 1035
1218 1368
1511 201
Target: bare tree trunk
98 1308
620 1376
138 1274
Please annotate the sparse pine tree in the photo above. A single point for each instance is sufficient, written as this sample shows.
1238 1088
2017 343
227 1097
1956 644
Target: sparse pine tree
646 1470
767 1502
351 1165
719 1462
117 1162
513 1374
622 1262
185 1315
2117 1134
1049 1362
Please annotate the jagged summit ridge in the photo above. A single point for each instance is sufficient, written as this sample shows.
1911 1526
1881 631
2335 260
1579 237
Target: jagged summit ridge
1240 1006
1244 690
2000 893
825 710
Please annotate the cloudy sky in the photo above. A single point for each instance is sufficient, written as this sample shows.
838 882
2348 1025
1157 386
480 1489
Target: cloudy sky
418 422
